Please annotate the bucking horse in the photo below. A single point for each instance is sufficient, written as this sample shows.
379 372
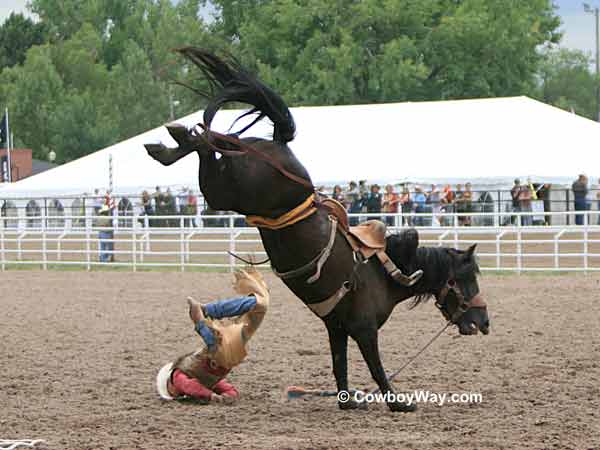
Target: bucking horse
350 277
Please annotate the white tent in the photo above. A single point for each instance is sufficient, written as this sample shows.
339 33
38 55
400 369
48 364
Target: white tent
489 139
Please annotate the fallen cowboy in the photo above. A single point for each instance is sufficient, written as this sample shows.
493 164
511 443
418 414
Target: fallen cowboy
201 374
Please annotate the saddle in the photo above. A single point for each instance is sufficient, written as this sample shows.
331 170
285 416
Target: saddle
368 239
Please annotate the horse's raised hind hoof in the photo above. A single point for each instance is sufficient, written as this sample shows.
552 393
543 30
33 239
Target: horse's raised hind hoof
402 407
353 404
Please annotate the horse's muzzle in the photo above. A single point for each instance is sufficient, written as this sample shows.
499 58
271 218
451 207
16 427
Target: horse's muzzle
475 319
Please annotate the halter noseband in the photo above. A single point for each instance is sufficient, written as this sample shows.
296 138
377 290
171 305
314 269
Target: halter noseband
462 305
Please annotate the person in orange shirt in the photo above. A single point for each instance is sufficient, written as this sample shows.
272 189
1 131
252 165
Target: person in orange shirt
390 204
447 201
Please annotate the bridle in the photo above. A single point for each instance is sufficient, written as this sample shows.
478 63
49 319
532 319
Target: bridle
245 149
441 301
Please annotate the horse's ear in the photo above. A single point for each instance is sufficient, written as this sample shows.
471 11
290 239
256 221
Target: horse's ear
471 250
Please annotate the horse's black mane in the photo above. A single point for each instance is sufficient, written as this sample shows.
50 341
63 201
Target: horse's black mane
230 82
437 263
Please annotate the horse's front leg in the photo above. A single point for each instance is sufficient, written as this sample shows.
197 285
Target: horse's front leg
187 143
338 341
369 348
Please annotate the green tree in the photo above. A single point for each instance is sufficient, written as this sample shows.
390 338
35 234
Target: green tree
33 91
566 81
346 51
17 35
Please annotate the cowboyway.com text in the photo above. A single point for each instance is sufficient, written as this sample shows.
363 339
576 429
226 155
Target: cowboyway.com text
410 398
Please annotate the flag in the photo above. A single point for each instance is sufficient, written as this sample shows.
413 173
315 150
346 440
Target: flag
4 130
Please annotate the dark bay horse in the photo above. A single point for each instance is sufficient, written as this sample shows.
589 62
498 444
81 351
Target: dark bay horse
259 177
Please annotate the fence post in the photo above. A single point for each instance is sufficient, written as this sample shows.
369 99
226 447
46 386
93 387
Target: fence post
498 236
519 243
586 221
568 207
556 249
133 241
88 237
2 246
182 243
44 255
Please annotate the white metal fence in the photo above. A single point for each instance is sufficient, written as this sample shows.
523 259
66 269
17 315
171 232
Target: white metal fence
132 242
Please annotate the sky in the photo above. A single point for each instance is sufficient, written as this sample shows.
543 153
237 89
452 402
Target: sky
578 26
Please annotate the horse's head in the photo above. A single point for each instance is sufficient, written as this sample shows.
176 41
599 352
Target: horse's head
460 300
258 177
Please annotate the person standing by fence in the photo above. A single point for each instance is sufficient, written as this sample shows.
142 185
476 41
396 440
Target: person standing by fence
106 234
525 196
514 194
580 192
390 204
354 201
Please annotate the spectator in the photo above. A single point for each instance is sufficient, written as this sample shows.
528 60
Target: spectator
106 234
514 194
33 213
580 191
486 202
390 204
447 202
434 199
467 200
406 206
459 203
338 194
56 212
374 202
419 201
525 205
191 208
97 202
170 209
354 202
125 209
159 206
364 194
543 194
78 212
147 208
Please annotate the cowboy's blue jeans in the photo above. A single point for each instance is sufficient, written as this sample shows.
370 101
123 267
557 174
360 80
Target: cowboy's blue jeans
220 309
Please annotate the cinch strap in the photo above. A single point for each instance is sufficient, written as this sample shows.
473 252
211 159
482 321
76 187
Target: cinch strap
323 308
300 212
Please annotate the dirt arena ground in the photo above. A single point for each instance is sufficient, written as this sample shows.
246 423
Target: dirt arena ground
79 352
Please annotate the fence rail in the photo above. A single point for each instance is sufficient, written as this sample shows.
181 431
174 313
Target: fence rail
132 242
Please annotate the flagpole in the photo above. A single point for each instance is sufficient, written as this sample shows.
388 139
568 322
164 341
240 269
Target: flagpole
8 146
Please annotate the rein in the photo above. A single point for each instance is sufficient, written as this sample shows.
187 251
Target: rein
245 150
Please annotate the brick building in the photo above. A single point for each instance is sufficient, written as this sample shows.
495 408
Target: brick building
21 164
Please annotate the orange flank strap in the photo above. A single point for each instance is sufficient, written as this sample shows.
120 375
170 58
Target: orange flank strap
300 212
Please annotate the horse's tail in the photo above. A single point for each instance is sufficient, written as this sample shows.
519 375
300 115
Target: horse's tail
230 82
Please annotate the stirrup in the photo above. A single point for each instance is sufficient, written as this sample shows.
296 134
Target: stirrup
405 280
